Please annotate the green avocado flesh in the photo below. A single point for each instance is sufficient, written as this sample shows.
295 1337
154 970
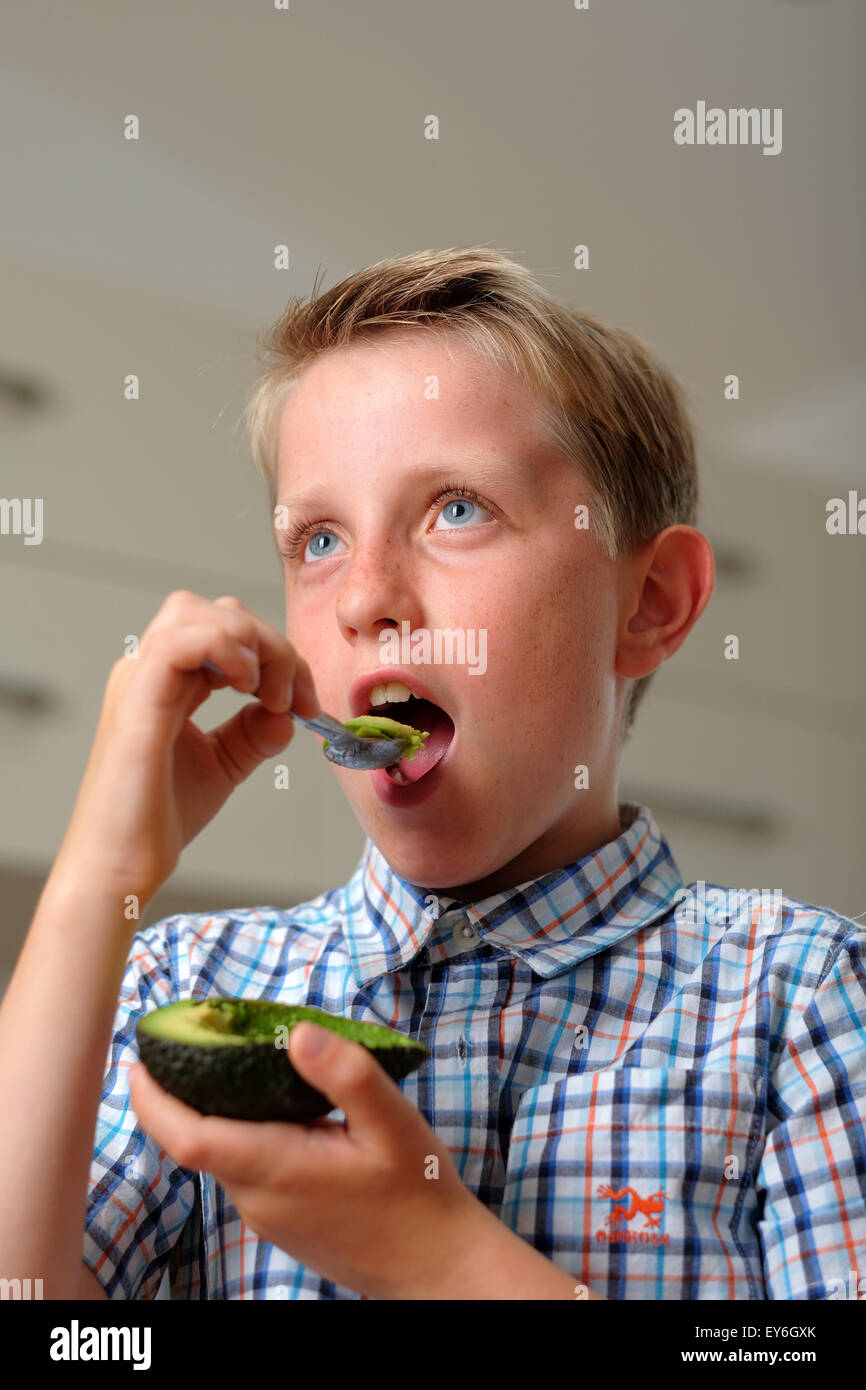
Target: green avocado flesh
230 1056
379 726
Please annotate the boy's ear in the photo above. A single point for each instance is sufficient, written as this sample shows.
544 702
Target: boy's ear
666 586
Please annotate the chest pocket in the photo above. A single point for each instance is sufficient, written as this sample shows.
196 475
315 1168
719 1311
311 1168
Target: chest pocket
639 1181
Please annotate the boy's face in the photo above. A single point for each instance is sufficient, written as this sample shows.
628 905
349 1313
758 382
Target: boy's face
373 434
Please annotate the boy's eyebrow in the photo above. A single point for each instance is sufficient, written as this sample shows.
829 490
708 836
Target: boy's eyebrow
486 468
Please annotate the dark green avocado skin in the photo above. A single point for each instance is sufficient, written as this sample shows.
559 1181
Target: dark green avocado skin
257 1081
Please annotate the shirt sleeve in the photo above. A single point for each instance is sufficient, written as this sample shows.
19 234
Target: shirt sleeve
138 1199
813 1171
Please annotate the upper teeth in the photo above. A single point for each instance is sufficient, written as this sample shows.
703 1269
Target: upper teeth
392 692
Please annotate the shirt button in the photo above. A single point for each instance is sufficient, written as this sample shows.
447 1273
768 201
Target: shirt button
465 934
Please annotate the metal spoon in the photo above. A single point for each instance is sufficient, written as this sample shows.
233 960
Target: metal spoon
345 748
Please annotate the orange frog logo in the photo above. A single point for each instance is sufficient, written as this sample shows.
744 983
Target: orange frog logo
622 1214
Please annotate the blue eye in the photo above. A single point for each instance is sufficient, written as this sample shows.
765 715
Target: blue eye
462 511
317 551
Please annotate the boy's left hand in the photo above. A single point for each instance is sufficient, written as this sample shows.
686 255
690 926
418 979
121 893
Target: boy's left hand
352 1201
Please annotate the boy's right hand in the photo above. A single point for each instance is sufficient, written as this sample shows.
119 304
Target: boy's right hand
154 779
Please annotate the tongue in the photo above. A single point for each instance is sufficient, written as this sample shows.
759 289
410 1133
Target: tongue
429 718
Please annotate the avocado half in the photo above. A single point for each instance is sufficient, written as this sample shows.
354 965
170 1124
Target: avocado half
230 1056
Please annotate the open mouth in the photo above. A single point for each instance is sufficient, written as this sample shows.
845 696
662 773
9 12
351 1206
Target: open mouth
428 718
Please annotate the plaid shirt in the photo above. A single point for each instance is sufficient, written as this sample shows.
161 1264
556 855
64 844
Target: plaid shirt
668 1101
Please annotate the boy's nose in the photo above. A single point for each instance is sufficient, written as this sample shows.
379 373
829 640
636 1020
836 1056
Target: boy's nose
373 599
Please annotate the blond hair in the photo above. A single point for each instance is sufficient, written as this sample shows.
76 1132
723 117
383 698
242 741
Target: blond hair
609 405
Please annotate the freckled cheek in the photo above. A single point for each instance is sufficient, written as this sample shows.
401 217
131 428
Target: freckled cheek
299 631
304 633
495 605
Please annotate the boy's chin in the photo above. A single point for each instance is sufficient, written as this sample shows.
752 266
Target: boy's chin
426 858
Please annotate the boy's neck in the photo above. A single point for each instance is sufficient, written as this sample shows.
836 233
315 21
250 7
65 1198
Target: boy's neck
555 849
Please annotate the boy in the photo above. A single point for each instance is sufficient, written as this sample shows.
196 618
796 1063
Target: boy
627 1098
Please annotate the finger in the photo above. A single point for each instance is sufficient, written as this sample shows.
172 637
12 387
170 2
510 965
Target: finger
305 700
175 654
377 1112
285 680
184 610
175 1126
277 657
180 606
301 696
193 1140
250 736
239 1153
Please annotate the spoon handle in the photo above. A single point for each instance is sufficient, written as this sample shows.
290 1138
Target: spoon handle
324 724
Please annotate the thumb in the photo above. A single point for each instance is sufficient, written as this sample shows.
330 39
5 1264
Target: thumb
250 736
349 1075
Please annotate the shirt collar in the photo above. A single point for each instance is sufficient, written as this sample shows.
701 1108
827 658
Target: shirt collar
551 923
